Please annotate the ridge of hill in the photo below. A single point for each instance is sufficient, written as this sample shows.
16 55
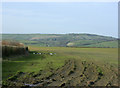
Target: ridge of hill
64 40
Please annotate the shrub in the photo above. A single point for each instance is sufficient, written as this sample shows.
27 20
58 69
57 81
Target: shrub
13 48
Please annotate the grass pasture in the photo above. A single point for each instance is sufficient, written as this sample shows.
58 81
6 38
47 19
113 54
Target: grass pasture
63 40
98 59
101 55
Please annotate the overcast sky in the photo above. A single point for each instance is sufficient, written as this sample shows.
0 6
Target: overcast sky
61 17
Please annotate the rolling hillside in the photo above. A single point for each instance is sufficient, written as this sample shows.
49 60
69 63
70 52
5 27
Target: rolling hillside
80 67
63 40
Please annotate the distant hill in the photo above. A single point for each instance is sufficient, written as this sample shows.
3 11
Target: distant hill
63 40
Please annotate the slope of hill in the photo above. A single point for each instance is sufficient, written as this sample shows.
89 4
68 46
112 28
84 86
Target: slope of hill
68 67
63 40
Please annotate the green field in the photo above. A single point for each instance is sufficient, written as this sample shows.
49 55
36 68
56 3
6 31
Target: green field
63 40
67 63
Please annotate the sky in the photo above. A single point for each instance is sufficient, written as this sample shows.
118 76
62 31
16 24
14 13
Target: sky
60 17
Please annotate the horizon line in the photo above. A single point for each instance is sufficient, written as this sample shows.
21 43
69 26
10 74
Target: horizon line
64 33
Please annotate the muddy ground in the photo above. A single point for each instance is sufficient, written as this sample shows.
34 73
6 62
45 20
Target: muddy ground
73 73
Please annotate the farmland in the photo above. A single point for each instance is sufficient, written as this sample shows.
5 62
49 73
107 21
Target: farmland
61 60
63 40
62 44
68 66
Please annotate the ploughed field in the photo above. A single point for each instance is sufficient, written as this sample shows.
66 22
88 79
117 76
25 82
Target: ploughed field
63 66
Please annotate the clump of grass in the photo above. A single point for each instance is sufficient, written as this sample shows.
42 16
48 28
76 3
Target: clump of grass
14 77
83 62
75 67
100 72
71 72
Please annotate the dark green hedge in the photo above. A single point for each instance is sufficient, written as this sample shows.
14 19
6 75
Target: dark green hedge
13 50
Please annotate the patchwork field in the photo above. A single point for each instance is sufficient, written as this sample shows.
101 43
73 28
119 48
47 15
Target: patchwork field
64 40
63 66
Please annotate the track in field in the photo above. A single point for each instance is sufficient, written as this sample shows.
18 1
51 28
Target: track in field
73 73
